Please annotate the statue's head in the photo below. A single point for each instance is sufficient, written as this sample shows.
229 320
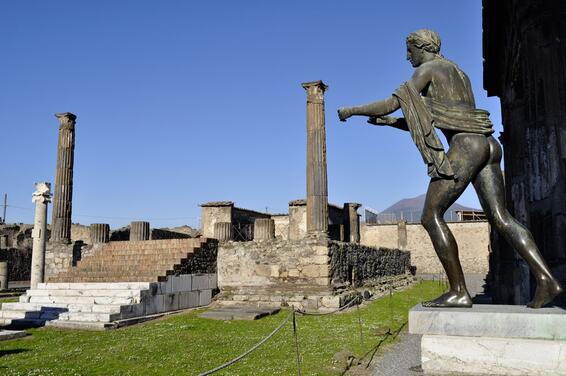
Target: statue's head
422 44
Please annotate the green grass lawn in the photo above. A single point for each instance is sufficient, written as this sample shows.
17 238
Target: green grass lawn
185 344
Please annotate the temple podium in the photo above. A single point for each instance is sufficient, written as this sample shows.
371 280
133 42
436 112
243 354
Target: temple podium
491 340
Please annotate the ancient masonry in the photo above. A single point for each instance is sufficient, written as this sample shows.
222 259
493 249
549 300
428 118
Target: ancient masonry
62 201
309 259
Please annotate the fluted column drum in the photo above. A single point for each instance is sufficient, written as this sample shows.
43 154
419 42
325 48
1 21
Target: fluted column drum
100 233
139 230
223 231
264 229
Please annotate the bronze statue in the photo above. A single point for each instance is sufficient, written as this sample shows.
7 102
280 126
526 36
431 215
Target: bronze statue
439 95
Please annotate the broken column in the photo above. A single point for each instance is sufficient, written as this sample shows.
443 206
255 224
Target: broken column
402 235
223 231
99 233
3 275
317 185
41 197
139 230
62 200
264 229
351 222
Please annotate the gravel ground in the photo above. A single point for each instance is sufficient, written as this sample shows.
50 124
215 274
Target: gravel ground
403 359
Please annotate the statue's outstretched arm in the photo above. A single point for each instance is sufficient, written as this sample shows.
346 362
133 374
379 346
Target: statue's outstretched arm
374 109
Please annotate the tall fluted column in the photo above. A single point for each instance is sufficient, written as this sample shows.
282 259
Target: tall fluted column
62 201
317 184
139 230
41 197
264 229
99 233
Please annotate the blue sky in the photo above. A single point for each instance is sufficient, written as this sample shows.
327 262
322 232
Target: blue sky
183 102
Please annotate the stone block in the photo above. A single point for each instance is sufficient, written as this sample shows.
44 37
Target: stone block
267 270
492 356
186 282
170 302
213 280
316 271
154 305
205 297
200 282
485 320
331 301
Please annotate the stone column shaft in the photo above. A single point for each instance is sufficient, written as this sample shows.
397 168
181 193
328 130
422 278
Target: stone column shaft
264 229
41 197
317 183
223 231
62 200
352 222
100 233
139 230
402 235
3 275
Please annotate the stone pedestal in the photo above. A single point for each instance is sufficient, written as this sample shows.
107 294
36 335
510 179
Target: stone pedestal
317 184
223 231
41 197
491 340
139 230
99 233
62 200
3 275
264 229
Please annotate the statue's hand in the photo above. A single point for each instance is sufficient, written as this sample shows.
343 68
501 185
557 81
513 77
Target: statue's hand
344 113
382 120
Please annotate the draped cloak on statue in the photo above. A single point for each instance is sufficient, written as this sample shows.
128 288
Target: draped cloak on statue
422 114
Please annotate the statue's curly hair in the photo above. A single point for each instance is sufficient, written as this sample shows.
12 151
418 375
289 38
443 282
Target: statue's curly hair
425 39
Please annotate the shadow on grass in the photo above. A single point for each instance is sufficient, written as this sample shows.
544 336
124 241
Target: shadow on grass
11 352
374 349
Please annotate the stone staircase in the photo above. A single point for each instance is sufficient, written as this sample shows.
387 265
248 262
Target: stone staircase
134 261
119 284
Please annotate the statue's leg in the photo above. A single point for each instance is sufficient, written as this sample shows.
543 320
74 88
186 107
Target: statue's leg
490 189
467 154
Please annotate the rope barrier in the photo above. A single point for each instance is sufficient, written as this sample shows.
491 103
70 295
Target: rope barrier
295 335
350 303
257 345
298 354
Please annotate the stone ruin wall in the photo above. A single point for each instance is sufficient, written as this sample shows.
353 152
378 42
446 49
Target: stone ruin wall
307 262
473 240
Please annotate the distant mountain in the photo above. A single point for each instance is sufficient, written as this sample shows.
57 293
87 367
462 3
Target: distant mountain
411 209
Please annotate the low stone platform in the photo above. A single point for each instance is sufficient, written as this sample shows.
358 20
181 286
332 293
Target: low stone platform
491 340
106 305
6 335
239 312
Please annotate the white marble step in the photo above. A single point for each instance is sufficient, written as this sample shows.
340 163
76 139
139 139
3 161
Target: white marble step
89 316
96 286
101 308
80 299
76 292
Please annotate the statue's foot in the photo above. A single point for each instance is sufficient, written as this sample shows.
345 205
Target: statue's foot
547 290
450 299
